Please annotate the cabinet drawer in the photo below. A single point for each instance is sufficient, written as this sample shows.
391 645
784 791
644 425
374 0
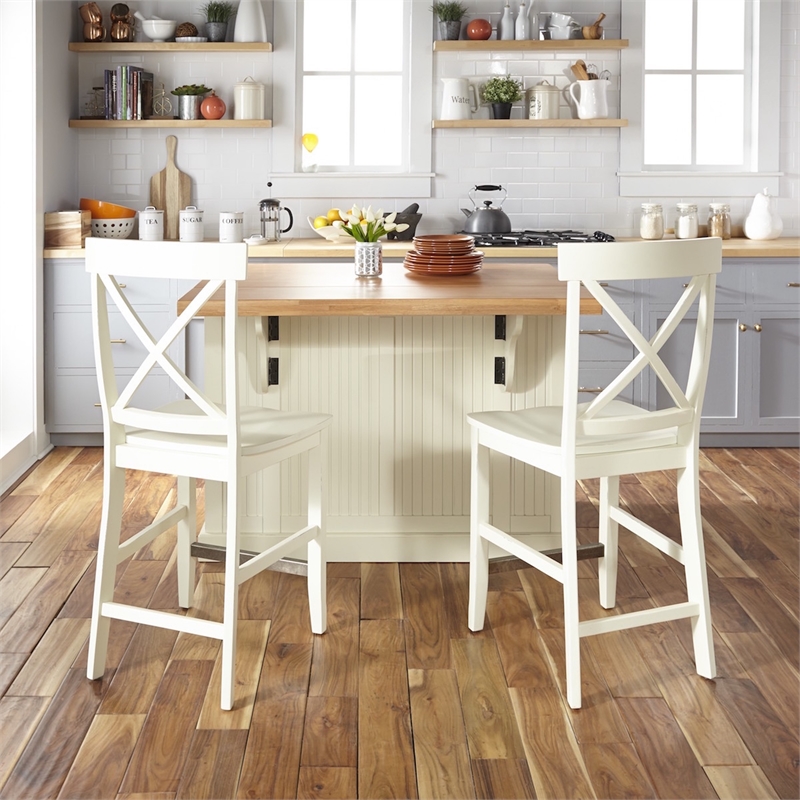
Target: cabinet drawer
72 287
731 287
595 379
602 340
776 284
73 399
72 342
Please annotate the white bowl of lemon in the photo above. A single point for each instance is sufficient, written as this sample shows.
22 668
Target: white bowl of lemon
324 227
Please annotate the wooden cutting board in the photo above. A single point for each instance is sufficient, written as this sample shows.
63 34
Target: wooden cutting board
171 191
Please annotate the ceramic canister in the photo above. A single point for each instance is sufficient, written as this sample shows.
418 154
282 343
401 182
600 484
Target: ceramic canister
248 100
151 224
543 101
191 224
231 226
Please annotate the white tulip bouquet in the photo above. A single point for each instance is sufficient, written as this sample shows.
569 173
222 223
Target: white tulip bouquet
366 225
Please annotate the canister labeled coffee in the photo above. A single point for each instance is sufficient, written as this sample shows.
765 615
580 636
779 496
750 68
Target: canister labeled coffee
231 226
151 224
191 224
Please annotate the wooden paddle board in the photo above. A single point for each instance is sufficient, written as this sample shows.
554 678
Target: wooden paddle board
171 191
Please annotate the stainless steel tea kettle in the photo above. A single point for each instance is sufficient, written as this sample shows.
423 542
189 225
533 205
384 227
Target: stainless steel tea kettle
271 218
487 219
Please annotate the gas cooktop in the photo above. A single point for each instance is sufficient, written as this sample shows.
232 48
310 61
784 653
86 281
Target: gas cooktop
537 238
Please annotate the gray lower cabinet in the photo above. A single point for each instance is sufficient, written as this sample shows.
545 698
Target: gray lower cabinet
72 400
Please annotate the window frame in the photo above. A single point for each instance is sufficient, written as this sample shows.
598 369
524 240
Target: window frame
636 181
416 181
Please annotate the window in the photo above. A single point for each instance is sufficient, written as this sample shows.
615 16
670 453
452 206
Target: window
343 105
700 91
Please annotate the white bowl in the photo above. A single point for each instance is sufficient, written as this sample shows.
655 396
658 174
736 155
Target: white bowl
112 228
159 30
328 232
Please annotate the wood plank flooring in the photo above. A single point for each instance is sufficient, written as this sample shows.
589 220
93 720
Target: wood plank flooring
398 699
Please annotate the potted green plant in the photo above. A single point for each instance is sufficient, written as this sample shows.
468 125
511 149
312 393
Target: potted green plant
190 96
217 14
501 91
450 15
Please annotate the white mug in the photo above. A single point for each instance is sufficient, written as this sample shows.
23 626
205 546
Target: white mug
590 99
151 225
231 226
459 99
191 225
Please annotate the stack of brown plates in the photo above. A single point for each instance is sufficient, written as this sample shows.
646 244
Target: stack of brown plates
444 254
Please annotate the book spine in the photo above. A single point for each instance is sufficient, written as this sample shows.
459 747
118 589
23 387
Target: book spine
115 94
107 94
147 94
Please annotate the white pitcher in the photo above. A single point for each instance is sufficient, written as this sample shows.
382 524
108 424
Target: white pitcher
590 98
459 99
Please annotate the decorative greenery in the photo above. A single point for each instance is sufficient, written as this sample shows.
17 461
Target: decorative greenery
217 11
502 89
449 11
366 225
191 88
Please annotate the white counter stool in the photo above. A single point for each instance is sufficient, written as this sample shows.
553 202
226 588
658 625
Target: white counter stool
191 438
608 438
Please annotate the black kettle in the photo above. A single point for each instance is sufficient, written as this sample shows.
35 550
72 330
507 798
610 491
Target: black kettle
488 219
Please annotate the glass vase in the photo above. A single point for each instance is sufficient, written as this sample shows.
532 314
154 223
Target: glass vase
369 259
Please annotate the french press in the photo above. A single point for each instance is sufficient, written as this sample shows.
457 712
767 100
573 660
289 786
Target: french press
271 218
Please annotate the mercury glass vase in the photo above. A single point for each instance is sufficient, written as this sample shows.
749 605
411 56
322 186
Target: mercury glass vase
369 259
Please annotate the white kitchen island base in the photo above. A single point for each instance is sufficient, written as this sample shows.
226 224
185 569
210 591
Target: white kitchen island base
399 389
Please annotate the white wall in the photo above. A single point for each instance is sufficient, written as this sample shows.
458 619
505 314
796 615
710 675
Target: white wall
558 178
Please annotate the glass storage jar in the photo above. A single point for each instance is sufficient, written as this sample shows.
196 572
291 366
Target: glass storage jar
719 220
651 223
686 223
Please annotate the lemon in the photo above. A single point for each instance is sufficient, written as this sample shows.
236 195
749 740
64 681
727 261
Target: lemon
334 214
321 222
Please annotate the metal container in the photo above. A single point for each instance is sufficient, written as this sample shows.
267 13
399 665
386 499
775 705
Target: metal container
248 99
151 224
487 219
543 101
191 224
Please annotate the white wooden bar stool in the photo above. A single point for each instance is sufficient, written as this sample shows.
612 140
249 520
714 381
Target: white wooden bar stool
607 438
191 438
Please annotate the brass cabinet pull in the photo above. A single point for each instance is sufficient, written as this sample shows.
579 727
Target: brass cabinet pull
603 284
794 285
742 327
98 405
598 332
123 286
118 341
591 389
757 327
685 285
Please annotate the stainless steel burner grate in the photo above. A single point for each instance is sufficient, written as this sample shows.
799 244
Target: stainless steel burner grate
537 238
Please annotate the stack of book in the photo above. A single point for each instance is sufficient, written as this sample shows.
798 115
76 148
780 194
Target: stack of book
129 93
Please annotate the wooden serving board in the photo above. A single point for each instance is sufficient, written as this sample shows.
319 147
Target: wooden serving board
171 191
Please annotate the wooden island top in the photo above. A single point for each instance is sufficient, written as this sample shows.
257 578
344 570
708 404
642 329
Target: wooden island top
322 289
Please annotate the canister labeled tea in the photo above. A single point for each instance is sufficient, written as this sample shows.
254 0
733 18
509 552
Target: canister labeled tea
231 226
248 99
151 224
191 224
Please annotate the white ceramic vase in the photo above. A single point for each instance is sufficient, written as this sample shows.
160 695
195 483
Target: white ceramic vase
251 25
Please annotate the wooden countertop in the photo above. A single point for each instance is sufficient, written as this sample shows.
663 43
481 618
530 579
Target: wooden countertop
786 247
321 289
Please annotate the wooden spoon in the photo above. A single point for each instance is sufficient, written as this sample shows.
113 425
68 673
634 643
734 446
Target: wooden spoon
594 31
579 70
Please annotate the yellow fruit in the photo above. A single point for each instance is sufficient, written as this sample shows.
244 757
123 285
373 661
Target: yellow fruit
321 222
334 215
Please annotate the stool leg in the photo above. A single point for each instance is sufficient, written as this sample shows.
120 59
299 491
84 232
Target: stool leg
317 580
187 535
609 530
569 550
106 565
695 564
230 613
478 546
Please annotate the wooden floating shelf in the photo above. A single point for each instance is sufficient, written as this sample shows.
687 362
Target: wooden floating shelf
530 123
170 123
170 47
548 45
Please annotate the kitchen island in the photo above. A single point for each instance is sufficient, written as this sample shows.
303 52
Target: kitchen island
399 361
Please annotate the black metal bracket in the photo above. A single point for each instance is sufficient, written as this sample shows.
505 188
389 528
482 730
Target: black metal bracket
272 372
500 370
273 329
500 326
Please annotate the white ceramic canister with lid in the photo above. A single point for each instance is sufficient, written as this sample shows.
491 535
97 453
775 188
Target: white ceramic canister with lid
231 226
543 101
191 224
151 225
248 99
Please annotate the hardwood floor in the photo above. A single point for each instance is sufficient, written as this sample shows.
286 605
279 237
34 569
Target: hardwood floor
398 699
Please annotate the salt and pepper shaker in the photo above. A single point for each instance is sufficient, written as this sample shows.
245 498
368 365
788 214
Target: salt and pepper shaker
505 30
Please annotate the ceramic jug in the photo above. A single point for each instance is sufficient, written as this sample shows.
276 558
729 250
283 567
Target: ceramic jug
459 99
590 98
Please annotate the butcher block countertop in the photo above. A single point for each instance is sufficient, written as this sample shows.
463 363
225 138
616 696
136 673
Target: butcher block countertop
332 289
786 247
